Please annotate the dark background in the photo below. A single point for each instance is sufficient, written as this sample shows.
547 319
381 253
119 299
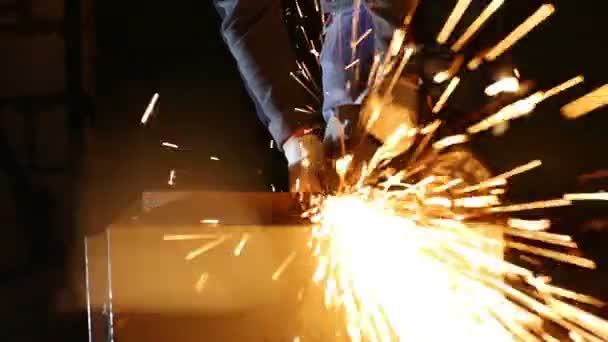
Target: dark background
73 154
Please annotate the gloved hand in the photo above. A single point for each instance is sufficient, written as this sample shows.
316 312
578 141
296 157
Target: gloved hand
306 162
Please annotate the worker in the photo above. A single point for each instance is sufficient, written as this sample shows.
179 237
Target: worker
257 38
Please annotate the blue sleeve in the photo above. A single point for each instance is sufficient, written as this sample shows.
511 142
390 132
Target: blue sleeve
257 38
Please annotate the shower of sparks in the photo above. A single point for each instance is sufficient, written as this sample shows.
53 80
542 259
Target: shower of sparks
538 17
453 19
505 85
239 248
150 108
418 253
171 180
205 248
277 274
446 95
586 104
201 282
401 252
476 25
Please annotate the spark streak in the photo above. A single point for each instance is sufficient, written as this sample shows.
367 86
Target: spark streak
446 94
598 196
205 248
505 85
186 237
539 16
239 248
588 103
277 274
476 25
171 180
170 145
201 282
452 21
150 108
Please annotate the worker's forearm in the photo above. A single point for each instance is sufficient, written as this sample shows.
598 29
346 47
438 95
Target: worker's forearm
256 35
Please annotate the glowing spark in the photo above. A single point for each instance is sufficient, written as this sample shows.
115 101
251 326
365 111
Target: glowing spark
530 206
296 339
510 112
406 57
446 94
505 85
297 183
302 110
452 21
586 104
564 86
448 185
450 141
475 63
273 188
210 221
363 36
556 239
205 248
214 158
497 191
571 259
396 42
534 225
539 16
271 144
343 164
201 282
239 248
150 109
299 10
170 145
598 196
277 274
186 237
355 62
516 73
297 79
501 179
441 76
171 178
476 25
476 202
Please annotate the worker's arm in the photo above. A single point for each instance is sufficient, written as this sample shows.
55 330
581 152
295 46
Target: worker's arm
257 38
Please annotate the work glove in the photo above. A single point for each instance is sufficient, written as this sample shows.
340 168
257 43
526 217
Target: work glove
305 159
